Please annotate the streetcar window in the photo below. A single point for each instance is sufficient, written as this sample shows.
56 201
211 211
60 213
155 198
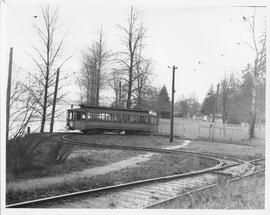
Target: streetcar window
113 117
108 117
88 115
78 114
125 118
120 117
128 118
83 116
116 119
136 119
131 119
70 115
94 116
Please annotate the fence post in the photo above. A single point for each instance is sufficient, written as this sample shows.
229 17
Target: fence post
210 126
213 132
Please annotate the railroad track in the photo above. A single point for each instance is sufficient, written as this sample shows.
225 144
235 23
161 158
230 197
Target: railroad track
221 159
258 166
144 193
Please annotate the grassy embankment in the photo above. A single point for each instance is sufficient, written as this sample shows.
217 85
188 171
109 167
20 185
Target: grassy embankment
127 140
248 193
158 165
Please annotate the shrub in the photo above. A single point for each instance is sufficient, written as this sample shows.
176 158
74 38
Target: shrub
34 152
58 153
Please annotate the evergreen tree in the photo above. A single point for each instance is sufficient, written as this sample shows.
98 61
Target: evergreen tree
208 106
163 103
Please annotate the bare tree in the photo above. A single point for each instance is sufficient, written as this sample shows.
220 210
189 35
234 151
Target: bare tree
87 79
23 104
142 74
115 84
48 52
258 70
132 39
93 73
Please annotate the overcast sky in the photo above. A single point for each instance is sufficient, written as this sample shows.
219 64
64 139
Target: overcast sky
176 35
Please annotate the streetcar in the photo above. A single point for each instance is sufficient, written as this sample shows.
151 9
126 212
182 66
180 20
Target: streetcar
98 119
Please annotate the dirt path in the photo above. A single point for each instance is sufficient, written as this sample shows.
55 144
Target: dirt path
86 173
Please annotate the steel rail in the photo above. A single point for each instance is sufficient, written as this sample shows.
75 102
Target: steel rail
143 148
113 187
209 186
220 166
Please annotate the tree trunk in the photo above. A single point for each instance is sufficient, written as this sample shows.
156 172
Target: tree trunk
130 84
253 103
44 108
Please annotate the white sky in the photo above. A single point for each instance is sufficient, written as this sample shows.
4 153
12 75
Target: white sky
176 35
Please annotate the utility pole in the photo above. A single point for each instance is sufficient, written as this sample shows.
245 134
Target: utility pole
8 92
54 100
172 104
216 103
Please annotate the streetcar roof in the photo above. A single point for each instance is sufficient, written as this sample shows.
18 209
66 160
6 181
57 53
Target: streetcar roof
104 108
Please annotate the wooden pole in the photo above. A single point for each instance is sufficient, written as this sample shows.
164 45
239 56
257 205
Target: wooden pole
172 105
54 100
8 92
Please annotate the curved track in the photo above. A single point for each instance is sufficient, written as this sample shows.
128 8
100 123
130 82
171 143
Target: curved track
256 166
144 193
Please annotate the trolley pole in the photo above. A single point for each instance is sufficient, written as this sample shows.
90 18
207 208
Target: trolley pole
172 104
54 100
8 92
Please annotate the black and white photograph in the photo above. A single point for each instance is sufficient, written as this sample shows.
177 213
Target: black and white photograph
134 105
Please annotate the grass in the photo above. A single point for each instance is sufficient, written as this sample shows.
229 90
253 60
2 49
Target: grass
129 140
159 165
81 158
248 150
78 160
248 193
254 149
